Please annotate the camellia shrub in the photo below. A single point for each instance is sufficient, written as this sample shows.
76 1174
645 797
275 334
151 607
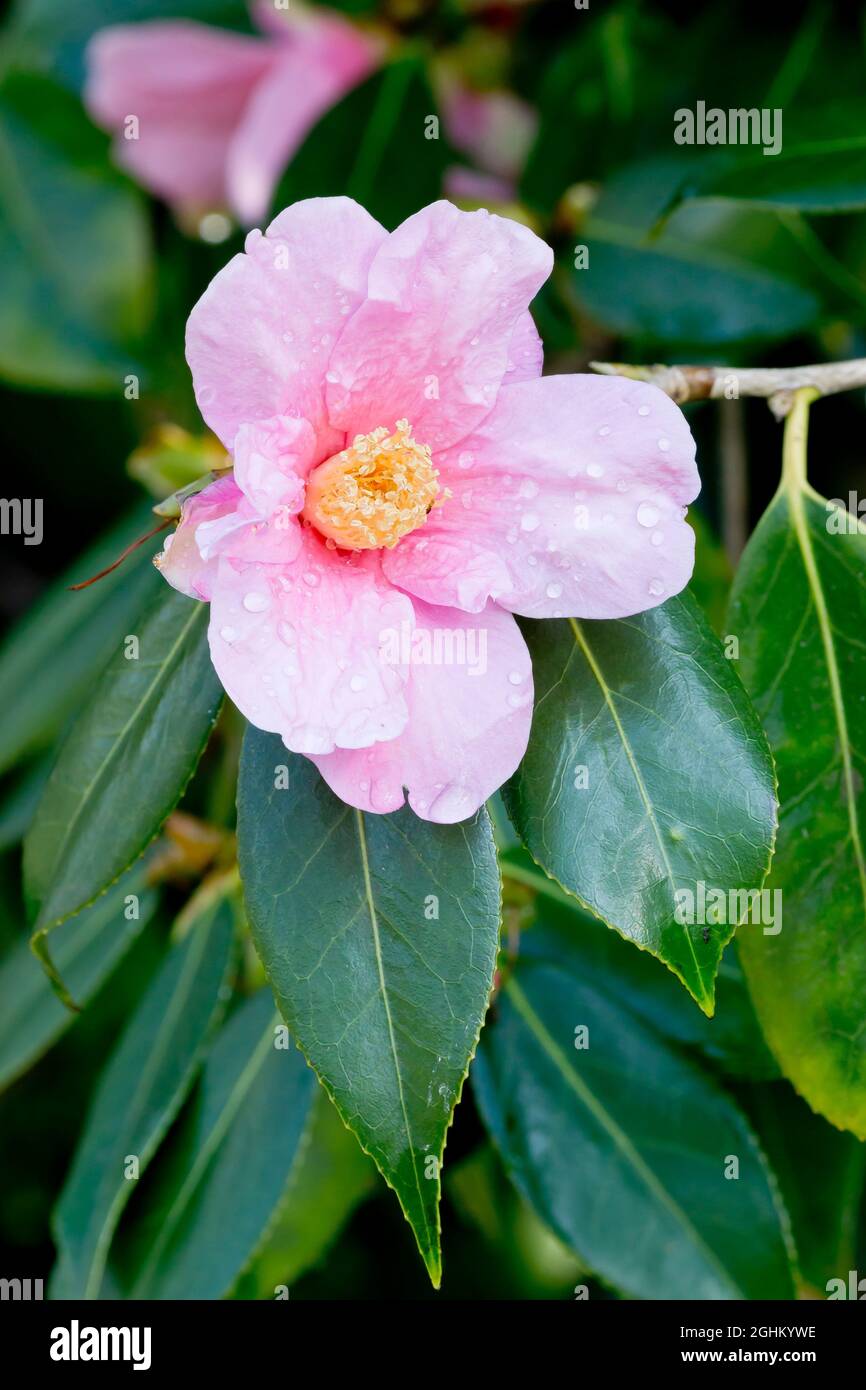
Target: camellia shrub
460 727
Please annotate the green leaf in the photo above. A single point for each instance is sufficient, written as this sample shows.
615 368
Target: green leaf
331 1176
125 761
622 1145
371 146
237 1150
87 951
74 633
820 1172
798 609
74 246
714 274
379 936
138 1096
678 784
731 1040
814 176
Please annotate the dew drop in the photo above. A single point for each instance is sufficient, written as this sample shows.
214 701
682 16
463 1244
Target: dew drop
465 460
647 514
311 578
664 444
529 522
604 431
595 470
643 410
515 677
228 634
656 587
255 602
358 683
553 590
656 537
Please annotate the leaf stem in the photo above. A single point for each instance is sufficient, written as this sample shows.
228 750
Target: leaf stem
794 446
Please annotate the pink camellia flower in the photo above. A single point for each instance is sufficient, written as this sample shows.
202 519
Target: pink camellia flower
404 482
219 114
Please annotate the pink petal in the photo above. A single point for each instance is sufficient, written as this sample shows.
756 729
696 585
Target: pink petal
221 521
188 86
468 722
297 647
180 561
525 352
259 339
431 342
568 500
322 58
271 459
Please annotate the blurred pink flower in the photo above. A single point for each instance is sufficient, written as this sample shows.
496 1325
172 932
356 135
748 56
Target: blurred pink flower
405 481
219 114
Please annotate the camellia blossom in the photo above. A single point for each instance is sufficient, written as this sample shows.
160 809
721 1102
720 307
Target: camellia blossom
404 482
217 115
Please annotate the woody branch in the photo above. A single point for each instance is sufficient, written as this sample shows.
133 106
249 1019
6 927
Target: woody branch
776 384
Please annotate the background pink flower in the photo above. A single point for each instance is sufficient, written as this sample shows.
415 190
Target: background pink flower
220 114
416 353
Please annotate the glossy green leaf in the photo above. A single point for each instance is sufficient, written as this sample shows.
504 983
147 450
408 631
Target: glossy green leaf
372 147
331 1176
798 609
379 936
622 1144
138 1096
237 1150
713 275
647 775
814 176
74 633
125 761
731 1040
87 950
74 246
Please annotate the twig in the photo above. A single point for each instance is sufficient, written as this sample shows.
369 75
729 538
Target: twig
776 384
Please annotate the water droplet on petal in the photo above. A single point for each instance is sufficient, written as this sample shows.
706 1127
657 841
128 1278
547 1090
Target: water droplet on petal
529 522
311 578
604 431
647 514
358 683
643 410
553 590
657 537
515 677
656 587
595 470
255 602
664 444
228 634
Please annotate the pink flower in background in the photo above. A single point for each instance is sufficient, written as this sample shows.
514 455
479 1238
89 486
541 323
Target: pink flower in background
219 114
405 481
496 129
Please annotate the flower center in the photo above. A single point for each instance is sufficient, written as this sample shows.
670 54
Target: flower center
374 492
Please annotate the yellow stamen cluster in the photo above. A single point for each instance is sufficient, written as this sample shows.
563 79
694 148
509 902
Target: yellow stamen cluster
374 492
